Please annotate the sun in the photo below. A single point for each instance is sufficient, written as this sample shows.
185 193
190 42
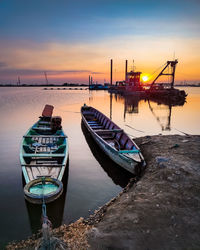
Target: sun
145 78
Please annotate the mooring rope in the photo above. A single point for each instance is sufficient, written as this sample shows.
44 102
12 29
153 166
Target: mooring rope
48 242
135 128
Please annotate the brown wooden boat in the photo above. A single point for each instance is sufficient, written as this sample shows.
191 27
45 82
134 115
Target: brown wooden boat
113 140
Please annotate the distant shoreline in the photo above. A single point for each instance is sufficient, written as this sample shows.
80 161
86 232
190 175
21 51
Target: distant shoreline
74 85
45 85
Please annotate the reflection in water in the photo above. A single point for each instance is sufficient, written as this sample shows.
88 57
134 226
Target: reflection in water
119 176
163 120
111 106
162 111
54 209
164 108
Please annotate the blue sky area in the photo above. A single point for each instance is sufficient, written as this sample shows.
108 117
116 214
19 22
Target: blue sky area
38 23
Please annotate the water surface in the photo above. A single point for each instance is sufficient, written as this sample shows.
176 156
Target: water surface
91 179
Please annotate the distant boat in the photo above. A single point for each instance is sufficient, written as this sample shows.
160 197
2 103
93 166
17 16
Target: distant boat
43 157
98 87
113 140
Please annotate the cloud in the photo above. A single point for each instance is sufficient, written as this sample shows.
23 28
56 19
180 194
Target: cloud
78 60
33 72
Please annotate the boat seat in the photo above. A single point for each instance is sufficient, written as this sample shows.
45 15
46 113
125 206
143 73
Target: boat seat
47 111
42 128
93 122
107 137
104 131
44 155
133 151
97 127
44 123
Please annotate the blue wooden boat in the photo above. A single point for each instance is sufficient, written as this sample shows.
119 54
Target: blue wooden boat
113 140
43 157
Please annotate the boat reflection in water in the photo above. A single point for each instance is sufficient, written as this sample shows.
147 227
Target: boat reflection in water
118 175
55 209
160 108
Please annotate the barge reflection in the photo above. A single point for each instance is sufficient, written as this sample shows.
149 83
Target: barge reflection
160 108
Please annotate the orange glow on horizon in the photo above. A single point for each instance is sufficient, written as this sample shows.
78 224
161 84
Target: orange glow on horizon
94 60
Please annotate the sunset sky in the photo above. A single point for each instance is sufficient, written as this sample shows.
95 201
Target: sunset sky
73 39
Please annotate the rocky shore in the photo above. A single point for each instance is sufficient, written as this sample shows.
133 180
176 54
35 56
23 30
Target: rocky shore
160 210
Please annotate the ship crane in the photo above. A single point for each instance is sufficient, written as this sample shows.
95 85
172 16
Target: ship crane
171 64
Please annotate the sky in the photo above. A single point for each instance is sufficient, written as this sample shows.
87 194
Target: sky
70 40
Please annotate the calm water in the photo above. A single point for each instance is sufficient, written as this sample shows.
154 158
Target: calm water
91 178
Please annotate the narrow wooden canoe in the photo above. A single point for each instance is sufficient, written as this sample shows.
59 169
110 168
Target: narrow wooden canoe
113 140
43 157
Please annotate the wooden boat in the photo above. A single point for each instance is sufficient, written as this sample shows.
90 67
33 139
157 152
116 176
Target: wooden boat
113 140
43 157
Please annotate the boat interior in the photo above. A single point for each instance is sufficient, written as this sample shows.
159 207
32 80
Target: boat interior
43 154
109 131
44 146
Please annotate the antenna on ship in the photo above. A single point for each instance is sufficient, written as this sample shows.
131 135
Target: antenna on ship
45 74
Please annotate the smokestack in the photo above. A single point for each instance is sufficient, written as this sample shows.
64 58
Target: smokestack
126 67
111 67
89 80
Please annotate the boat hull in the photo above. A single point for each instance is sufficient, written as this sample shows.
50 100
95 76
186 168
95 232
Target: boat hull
43 156
133 166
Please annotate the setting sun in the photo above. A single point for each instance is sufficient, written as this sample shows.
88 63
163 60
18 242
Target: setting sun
145 78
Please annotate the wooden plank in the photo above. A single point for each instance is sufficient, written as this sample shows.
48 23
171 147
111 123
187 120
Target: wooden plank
43 155
109 130
45 175
44 123
45 136
133 151
43 165
96 127
42 128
